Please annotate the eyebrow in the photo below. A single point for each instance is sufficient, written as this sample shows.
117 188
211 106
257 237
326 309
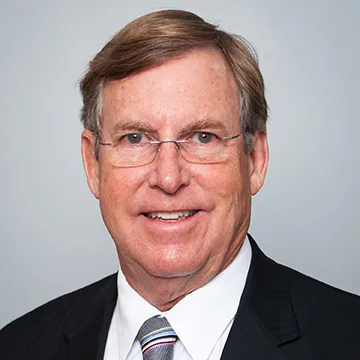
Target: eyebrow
131 125
201 124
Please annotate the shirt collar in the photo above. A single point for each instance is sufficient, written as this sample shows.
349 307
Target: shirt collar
199 319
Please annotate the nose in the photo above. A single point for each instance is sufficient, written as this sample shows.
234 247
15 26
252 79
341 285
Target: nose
170 169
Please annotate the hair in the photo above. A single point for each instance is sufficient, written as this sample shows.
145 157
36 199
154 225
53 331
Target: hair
155 38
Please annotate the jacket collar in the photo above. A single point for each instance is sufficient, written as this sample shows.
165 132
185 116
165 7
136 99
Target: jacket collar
268 298
265 319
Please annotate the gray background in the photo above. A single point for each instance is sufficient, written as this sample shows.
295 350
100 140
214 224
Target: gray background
52 239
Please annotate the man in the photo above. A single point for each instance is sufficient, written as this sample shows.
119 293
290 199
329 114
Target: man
174 147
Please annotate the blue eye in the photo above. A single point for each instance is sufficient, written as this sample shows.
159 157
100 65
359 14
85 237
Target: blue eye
134 138
203 137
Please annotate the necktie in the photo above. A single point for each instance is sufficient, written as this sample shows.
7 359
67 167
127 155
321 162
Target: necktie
157 339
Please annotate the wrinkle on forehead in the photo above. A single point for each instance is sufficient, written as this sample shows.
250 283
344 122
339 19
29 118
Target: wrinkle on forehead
200 83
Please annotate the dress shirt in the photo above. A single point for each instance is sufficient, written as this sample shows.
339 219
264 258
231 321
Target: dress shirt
202 320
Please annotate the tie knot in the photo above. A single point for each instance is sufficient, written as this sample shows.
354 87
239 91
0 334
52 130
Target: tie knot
156 335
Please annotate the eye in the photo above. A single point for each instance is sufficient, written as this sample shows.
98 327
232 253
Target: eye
133 138
203 137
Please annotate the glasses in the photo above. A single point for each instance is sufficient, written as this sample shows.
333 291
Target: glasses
135 149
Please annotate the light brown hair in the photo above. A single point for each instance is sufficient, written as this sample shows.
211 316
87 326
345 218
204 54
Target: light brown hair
153 39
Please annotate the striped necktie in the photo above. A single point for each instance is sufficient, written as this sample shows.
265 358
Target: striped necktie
157 339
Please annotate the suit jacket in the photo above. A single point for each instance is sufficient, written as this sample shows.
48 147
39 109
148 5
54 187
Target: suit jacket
282 315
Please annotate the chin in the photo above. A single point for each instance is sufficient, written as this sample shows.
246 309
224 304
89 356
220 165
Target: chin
174 267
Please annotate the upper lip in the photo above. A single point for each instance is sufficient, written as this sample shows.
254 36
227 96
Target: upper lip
162 206
170 210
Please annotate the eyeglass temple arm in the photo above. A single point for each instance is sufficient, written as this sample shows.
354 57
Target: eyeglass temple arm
231 137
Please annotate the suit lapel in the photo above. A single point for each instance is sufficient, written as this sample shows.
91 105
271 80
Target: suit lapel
90 342
265 319
88 325
248 341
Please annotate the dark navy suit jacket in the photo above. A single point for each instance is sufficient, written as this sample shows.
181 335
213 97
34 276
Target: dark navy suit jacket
282 315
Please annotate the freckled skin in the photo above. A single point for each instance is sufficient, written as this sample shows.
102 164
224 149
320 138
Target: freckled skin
163 264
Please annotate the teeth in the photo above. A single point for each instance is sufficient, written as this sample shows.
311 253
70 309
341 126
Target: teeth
171 215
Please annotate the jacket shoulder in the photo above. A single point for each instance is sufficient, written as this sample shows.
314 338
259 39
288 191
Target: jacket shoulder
46 324
327 316
314 290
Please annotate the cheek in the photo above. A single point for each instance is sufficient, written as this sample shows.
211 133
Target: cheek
231 186
118 187
229 181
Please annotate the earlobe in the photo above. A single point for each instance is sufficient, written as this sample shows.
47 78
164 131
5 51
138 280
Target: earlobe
91 164
256 182
258 163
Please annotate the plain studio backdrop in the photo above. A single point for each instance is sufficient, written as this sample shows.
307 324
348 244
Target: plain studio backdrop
52 239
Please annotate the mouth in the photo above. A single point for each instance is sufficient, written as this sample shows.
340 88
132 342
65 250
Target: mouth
170 216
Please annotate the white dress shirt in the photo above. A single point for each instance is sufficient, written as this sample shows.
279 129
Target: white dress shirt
202 320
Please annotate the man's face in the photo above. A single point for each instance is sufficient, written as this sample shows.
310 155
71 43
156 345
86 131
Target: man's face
196 92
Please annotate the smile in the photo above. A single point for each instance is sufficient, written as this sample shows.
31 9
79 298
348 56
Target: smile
170 216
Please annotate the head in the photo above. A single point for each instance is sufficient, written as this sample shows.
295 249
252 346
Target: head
172 73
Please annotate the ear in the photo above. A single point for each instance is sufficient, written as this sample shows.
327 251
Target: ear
258 162
91 164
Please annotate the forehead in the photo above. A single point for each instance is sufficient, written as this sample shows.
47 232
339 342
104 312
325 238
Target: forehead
196 86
